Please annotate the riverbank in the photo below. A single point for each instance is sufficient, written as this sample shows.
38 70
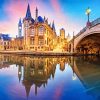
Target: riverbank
48 53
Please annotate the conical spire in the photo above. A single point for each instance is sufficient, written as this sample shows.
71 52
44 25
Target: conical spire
53 26
28 13
36 14
44 18
20 23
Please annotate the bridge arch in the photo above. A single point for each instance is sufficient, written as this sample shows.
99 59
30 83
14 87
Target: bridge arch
89 43
91 33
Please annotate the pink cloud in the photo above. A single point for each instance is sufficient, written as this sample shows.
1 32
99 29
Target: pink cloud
56 5
17 9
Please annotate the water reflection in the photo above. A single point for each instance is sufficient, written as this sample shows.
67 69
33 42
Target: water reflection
34 70
37 71
88 71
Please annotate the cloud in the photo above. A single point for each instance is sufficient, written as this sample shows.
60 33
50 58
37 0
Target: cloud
50 9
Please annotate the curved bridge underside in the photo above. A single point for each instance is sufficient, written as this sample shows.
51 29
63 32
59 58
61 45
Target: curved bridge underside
89 44
87 41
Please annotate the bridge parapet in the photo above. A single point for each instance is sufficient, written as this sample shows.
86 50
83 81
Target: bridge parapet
93 23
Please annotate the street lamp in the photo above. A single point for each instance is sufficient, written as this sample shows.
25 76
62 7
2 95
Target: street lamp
88 11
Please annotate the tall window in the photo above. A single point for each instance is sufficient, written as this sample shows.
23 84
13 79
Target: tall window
32 31
41 30
41 41
32 41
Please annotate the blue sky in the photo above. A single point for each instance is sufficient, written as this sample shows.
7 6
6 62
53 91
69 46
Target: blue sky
69 14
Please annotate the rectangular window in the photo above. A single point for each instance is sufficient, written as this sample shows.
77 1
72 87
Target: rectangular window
32 41
41 41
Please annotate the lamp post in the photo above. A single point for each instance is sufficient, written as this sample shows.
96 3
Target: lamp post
88 11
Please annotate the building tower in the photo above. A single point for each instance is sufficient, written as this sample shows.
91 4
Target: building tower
53 26
20 28
27 21
36 15
62 33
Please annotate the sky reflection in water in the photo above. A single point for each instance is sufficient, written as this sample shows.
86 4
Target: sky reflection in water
52 78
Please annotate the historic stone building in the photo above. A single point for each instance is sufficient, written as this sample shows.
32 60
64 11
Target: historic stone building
38 35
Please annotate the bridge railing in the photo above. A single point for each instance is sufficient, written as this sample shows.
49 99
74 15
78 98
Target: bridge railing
93 23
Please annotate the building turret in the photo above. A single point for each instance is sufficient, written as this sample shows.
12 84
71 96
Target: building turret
53 26
44 18
46 21
36 15
20 28
28 13
62 33
27 21
68 37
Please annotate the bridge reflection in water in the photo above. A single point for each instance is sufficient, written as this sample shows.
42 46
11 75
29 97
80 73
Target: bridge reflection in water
38 70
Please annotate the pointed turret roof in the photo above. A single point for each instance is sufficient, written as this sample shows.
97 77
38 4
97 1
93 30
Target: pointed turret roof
28 13
44 18
20 23
53 26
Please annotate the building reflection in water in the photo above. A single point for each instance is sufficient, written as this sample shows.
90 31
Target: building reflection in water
38 70
35 70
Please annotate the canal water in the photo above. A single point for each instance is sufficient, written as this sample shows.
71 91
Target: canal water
49 78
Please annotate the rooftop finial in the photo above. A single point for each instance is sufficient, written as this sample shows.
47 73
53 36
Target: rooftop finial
36 13
53 26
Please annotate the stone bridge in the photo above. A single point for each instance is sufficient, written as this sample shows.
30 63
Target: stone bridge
87 41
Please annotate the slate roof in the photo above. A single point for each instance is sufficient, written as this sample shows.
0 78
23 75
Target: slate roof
5 37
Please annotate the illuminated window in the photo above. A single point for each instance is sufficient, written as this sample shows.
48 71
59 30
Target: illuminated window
41 41
41 30
32 41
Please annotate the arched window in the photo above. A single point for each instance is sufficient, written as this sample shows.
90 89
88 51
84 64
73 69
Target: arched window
41 30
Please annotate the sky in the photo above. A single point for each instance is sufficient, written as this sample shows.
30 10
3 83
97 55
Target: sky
67 14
